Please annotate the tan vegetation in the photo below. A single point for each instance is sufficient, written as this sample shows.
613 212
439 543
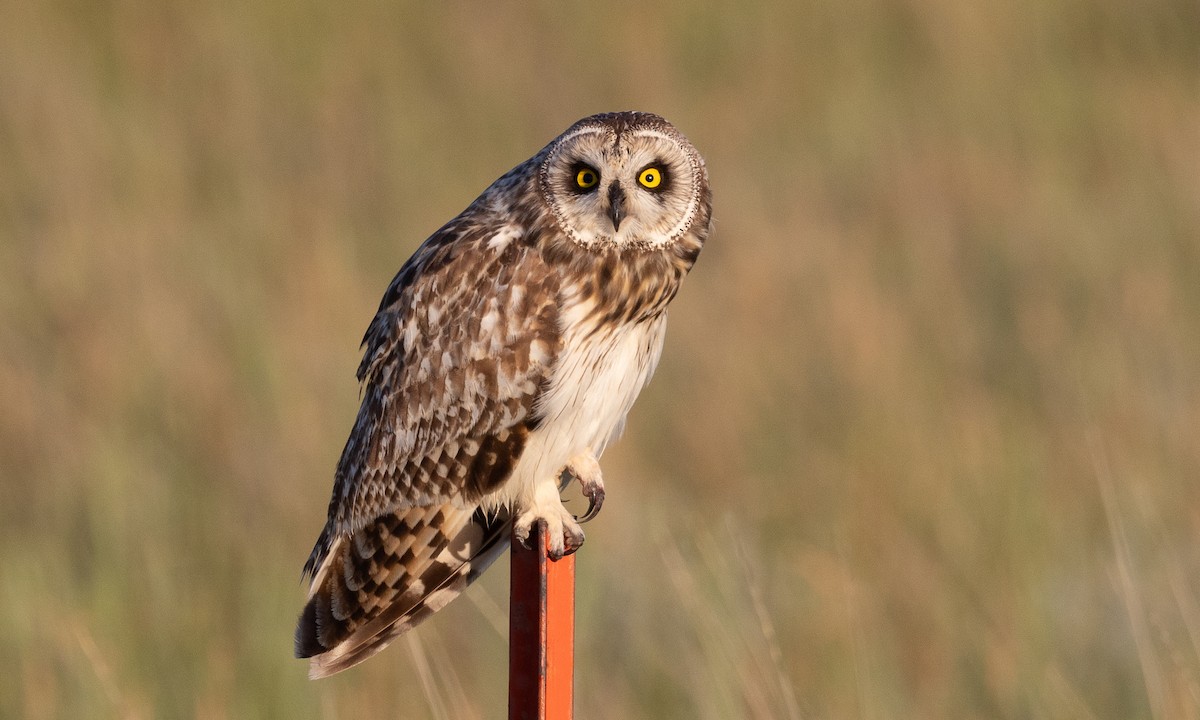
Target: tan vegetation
925 441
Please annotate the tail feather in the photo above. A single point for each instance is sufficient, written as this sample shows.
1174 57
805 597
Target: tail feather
389 576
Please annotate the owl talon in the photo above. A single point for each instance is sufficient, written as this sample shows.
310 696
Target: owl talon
563 533
595 496
573 538
587 470
523 532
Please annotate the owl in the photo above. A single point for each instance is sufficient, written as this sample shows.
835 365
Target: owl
503 358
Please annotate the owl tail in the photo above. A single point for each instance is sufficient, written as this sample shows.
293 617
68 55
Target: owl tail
390 575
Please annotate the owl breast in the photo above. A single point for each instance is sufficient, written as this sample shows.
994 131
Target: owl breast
601 369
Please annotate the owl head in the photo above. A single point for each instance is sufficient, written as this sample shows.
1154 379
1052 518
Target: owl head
624 180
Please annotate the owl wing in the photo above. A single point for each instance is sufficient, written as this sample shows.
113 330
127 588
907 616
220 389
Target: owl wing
455 359
463 341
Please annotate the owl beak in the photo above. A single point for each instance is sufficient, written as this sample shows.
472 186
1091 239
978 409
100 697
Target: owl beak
616 205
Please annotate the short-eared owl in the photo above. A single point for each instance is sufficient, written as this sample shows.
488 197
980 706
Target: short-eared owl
502 360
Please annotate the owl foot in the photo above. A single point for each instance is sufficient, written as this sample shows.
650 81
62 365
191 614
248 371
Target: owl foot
563 531
586 469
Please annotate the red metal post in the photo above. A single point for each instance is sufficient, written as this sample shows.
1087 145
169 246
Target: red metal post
541 633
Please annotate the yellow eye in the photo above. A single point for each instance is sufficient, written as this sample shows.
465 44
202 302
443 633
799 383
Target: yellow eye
586 178
651 177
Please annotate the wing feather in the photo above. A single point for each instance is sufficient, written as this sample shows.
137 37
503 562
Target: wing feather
455 358
391 575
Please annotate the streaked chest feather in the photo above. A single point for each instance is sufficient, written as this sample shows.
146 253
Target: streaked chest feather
601 369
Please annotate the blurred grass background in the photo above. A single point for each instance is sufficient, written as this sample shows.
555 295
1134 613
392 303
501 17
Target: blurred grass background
925 441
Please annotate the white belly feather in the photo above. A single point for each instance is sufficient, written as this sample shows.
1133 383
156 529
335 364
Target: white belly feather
598 375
